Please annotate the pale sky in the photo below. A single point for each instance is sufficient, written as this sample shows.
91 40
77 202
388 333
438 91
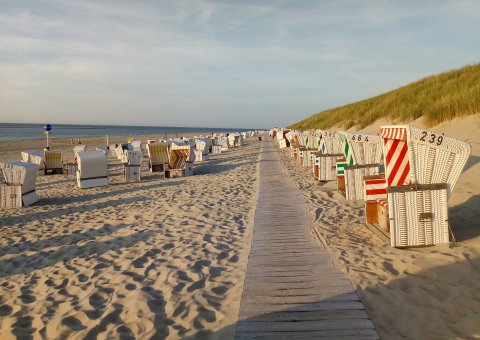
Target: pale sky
198 63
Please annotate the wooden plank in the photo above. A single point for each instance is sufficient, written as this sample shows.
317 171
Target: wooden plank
361 334
316 325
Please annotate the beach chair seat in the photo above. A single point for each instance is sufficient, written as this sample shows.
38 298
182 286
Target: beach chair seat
53 163
92 169
19 184
158 157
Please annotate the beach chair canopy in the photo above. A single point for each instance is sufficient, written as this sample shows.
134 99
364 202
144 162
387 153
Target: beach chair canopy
20 173
365 148
92 164
53 159
158 153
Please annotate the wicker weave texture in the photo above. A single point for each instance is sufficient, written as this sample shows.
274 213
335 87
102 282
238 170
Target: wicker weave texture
354 183
418 217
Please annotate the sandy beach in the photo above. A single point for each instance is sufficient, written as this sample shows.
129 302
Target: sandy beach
166 258
416 293
157 258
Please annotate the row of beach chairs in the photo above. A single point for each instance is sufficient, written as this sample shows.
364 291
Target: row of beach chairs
405 175
175 158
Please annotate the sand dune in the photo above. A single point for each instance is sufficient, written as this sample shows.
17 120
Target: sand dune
158 258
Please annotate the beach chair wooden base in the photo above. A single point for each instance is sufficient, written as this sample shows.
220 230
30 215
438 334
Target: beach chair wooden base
174 173
55 171
158 167
11 196
371 213
131 172
341 183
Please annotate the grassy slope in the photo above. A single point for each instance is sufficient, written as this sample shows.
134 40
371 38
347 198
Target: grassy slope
439 98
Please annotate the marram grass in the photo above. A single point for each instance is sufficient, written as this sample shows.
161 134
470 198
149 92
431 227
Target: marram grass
439 98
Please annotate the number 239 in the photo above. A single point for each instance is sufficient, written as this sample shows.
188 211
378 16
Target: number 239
433 138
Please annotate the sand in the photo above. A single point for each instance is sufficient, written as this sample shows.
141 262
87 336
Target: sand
417 293
161 258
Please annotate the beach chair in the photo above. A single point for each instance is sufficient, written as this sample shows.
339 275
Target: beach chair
202 147
34 157
92 169
53 162
70 168
223 142
181 161
421 168
330 147
363 154
132 161
19 184
158 157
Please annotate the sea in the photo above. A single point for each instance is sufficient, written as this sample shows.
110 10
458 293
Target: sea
14 131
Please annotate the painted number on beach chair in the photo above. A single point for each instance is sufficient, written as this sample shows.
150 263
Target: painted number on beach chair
432 138
359 138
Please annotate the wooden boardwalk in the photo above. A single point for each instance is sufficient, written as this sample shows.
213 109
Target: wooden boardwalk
292 290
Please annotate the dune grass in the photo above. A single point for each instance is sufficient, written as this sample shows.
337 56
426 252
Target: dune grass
439 98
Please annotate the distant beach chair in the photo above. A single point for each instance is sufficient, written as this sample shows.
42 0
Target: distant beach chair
137 145
18 188
158 157
53 162
34 157
92 169
71 167
181 161
132 161
202 147
422 168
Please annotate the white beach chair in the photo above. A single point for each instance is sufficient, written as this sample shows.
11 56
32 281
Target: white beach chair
19 184
422 168
34 157
92 169
132 161
181 161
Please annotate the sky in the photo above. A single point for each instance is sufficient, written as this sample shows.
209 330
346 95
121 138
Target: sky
199 63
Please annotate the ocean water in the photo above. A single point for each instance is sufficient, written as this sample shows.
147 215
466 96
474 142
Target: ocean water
10 131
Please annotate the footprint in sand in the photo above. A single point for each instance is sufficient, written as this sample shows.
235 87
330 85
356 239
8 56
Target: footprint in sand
5 310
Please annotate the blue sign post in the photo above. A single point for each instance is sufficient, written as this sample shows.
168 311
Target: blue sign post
47 129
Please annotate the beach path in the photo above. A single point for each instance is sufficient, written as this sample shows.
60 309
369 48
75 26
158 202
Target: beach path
292 289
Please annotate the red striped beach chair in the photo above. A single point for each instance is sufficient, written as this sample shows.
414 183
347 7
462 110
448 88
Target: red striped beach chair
421 170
